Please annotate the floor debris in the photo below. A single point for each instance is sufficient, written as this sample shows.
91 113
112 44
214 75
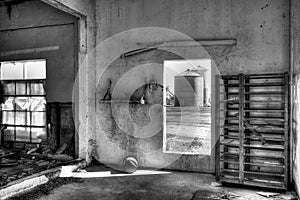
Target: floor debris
46 188
216 184
17 163
289 196
268 194
224 195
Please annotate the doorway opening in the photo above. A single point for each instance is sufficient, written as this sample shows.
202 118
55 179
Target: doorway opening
187 107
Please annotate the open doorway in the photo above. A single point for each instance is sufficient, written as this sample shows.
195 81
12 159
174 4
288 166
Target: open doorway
187 107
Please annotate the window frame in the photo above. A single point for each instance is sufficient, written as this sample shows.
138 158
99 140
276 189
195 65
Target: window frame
28 83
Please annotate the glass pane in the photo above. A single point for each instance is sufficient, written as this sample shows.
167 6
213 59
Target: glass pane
38 134
9 134
38 104
22 103
8 103
11 70
22 118
28 92
35 69
38 119
37 89
9 88
21 88
7 117
23 134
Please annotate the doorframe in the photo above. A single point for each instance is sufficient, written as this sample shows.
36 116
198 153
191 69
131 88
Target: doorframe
82 25
80 48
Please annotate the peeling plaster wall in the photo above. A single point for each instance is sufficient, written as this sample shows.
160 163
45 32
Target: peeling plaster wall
130 129
261 28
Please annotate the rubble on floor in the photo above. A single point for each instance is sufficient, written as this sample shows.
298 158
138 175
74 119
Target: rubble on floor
203 195
227 195
23 160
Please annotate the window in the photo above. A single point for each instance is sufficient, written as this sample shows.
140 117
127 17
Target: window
23 108
187 106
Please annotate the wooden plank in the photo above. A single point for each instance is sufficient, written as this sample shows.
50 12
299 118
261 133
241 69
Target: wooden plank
217 125
247 115
258 93
286 134
267 147
268 75
273 84
262 121
231 179
258 129
226 115
259 118
241 127
255 155
264 173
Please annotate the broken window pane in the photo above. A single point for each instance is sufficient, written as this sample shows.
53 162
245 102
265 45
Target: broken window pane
38 134
23 134
21 103
8 103
38 104
9 133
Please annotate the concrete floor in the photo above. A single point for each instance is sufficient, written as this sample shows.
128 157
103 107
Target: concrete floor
176 185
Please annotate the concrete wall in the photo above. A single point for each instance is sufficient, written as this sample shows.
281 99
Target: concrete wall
261 28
